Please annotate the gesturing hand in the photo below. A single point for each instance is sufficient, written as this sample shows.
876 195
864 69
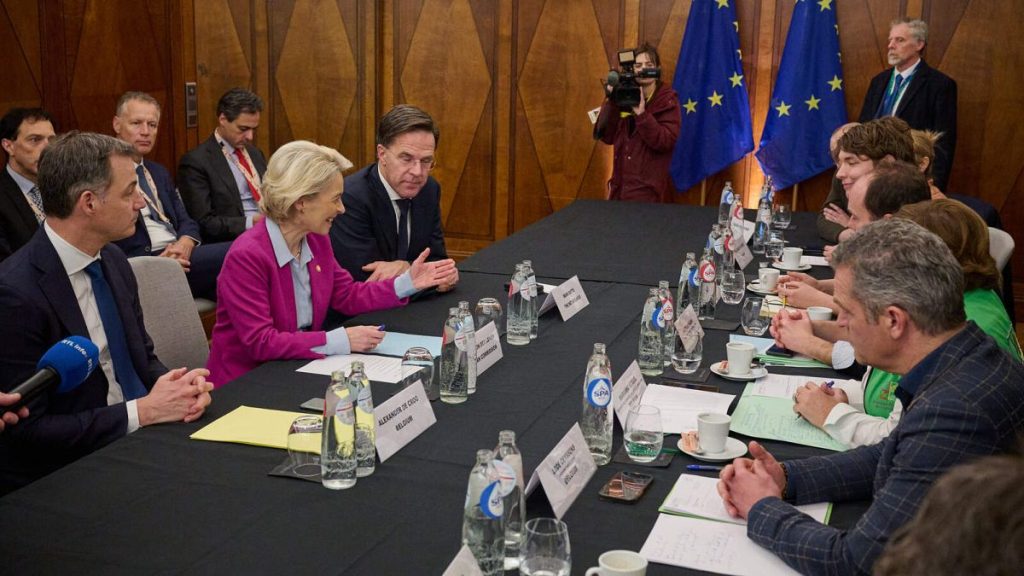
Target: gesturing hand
429 274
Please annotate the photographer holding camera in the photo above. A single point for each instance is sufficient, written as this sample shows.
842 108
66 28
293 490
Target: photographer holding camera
640 118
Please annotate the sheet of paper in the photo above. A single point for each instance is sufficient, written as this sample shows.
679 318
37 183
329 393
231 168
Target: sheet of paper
488 348
694 495
814 261
401 418
248 425
378 368
783 385
627 392
396 343
680 406
570 298
774 419
565 471
464 564
718 547
748 230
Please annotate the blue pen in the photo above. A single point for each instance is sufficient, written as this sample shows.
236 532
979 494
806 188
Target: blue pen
381 327
703 468
828 385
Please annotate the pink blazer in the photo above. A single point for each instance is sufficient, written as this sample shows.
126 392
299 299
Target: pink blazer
256 304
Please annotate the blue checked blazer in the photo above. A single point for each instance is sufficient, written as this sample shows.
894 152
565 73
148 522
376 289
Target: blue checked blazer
969 403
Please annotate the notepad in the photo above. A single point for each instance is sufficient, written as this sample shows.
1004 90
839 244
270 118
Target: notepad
680 406
253 426
774 419
698 496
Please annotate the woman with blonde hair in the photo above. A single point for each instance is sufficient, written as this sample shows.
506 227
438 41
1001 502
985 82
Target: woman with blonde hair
280 276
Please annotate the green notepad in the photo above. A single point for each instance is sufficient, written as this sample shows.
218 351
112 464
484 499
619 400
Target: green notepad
774 419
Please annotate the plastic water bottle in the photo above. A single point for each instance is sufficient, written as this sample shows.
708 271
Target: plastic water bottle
596 419
483 525
707 275
509 462
725 203
468 332
652 336
518 316
763 223
531 281
688 284
668 316
338 448
454 380
366 427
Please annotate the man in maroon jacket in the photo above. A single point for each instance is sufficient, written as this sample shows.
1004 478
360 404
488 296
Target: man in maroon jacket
643 137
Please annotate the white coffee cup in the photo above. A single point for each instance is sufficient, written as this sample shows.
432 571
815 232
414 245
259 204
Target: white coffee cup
740 355
712 431
791 257
768 278
619 563
819 313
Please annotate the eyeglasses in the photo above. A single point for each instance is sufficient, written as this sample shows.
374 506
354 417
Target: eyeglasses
407 161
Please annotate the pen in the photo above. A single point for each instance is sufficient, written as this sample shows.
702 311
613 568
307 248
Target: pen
828 385
703 468
381 327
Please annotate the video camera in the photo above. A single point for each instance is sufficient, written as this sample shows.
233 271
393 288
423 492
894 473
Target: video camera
626 91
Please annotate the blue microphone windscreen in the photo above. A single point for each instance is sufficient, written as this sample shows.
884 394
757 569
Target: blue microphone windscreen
73 358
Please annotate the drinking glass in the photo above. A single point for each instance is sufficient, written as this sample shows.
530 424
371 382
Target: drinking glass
687 362
545 548
489 310
754 324
776 244
304 445
644 434
781 216
418 364
733 286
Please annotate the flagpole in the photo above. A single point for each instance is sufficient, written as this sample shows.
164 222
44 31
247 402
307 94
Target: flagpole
703 191
796 192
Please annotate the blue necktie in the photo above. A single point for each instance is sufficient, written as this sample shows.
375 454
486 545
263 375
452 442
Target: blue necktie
131 386
403 229
890 99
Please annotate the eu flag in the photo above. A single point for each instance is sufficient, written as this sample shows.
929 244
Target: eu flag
715 131
808 103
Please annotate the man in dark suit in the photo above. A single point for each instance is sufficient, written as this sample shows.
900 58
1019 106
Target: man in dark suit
24 134
220 179
69 279
164 228
393 206
915 92
901 303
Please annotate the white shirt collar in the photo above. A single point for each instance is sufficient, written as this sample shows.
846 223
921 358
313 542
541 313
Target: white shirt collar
906 73
24 183
224 143
281 251
73 259
391 191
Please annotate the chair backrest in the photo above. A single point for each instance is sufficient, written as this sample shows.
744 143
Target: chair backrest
170 313
1000 246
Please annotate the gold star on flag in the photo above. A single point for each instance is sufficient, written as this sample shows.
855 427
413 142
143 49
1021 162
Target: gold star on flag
722 4
783 109
825 5
812 104
715 98
691 106
736 79
836 83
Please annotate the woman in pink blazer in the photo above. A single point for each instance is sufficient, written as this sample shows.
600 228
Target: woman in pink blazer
280 276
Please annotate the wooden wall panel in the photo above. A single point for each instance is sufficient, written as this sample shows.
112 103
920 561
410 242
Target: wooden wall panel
21 59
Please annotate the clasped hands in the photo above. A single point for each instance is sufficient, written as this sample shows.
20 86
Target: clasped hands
179 395
181 251
746 481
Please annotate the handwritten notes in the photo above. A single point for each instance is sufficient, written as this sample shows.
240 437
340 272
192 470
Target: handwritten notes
774 419
698 496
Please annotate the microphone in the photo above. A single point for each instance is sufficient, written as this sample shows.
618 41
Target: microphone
613 78
65 365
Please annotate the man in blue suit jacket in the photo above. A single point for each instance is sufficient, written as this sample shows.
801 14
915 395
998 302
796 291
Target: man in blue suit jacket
963 397
69 280
164 228
393 206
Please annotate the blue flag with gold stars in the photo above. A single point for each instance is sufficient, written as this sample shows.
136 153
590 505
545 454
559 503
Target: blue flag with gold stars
808 102
716 129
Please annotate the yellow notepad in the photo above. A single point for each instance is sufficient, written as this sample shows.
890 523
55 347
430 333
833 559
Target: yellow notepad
248 425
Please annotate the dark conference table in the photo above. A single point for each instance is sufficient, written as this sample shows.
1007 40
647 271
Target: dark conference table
158 502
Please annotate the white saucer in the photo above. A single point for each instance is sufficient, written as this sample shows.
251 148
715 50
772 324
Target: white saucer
733 449
754 374
801 268
755 287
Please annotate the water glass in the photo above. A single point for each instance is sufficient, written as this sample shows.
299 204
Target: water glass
734 285
754 324
304 445
545 548
775 245
418 364
644 434
781 216
687 362
489 310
